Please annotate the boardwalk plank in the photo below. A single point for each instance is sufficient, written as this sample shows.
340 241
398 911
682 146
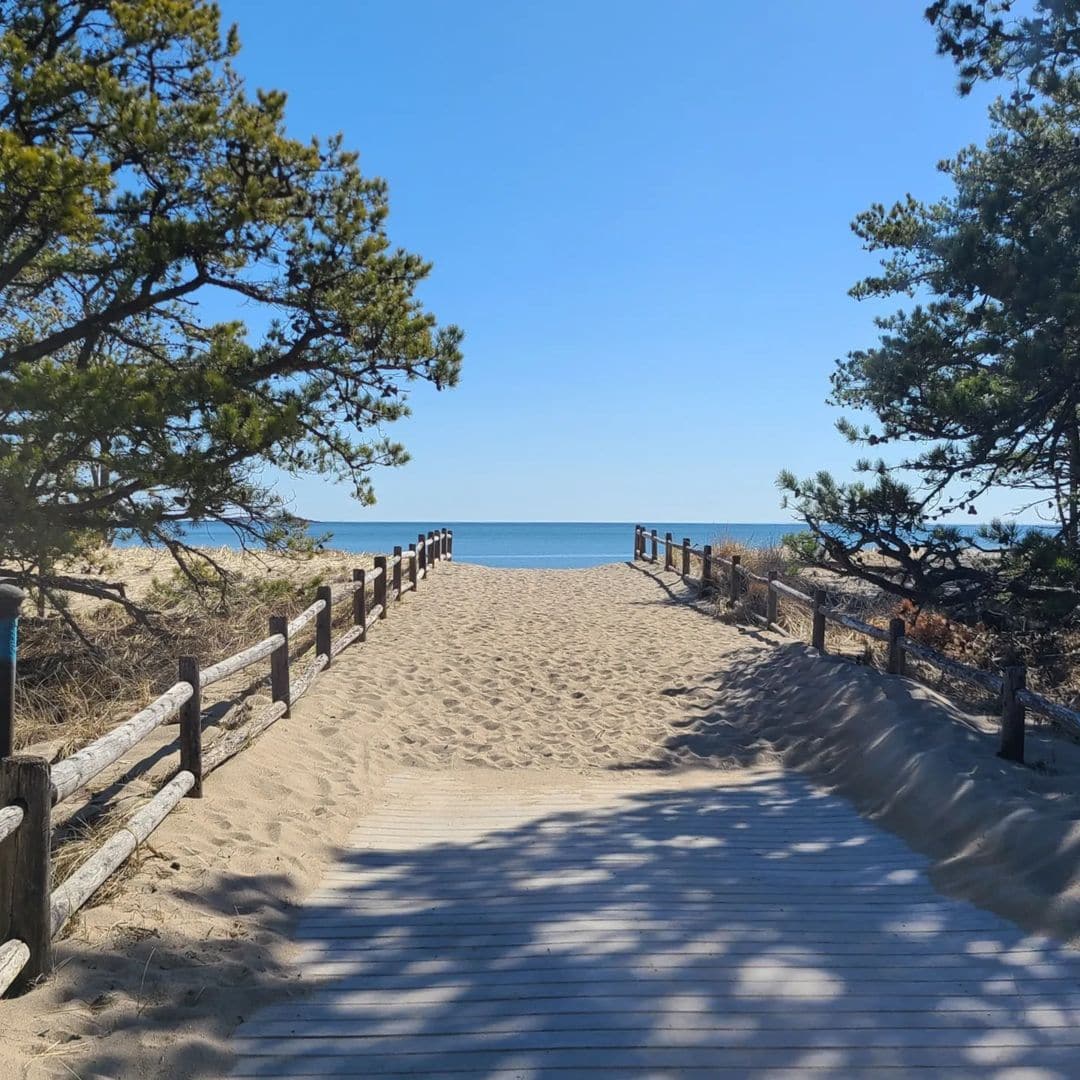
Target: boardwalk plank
661 926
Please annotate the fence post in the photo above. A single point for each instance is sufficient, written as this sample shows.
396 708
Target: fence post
359 602
323 622
706 566
380 585
733 584
897 629
11 599
279 662
414 570
637 542
450 544
668 564
818 635
771 599
397 572
25 864
686 556
421 551
191 724
1014 679
445 548
433 555
654 552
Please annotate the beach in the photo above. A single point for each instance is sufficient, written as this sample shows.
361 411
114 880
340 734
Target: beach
515 677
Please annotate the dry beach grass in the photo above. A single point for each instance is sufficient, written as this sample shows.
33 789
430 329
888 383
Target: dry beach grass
514 674
69 693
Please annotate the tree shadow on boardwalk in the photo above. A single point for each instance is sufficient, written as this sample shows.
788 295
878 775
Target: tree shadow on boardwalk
755 926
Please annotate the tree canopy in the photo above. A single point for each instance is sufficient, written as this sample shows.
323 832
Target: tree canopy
142 188
989 39
975 383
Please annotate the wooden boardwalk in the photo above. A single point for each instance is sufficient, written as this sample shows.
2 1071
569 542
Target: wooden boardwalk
661 926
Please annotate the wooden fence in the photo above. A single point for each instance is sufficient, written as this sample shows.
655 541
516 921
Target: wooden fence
1009 687
32 913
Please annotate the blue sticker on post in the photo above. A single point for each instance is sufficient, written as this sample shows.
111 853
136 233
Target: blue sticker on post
8 640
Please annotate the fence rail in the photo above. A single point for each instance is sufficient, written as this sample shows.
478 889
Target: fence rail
32 913
1016 699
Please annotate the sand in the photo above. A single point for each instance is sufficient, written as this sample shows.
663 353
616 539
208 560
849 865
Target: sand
607 669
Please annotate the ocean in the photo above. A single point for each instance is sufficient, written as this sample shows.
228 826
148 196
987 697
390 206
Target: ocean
551 544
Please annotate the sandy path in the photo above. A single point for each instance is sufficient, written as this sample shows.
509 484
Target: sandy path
565 668
575 669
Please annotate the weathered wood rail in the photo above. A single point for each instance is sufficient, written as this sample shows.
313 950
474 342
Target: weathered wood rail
1009 687
32 912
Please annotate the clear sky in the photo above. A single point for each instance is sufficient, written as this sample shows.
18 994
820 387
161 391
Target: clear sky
639 213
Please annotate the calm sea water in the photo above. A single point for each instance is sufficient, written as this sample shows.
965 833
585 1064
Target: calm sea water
554 544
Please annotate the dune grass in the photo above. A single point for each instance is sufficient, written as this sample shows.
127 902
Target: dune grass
73 686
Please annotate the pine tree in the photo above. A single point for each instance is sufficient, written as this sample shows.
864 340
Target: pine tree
141 188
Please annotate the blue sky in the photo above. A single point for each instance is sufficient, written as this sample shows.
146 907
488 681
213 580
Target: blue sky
639 214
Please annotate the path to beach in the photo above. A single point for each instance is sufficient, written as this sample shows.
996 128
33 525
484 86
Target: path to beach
533 922
547 822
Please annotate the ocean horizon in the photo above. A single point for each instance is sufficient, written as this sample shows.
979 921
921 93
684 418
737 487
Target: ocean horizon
525 544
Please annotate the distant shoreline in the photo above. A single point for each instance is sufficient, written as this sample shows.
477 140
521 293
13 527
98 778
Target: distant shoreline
524 545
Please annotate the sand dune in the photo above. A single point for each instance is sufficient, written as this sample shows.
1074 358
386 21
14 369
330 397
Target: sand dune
605 669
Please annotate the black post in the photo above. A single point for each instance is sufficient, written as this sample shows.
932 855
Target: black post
414 570
817 638
397 573
11 599
668 564
770 604
652 537
25 865
359 602
896 647
686 556
421 551
191 724
381 589
733 584
280 689
1012 714
324 622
